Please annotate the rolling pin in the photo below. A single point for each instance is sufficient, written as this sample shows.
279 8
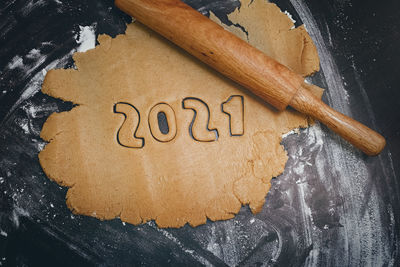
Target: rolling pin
246 65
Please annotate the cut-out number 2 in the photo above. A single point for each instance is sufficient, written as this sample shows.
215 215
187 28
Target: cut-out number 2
198 128
125 136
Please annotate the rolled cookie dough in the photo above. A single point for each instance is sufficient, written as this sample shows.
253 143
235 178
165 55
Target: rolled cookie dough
117 163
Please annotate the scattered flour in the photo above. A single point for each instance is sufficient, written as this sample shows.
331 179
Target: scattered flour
291 18
31 5
171 237
34 54
294 131
86 38
24 124
16 62
17 213
340 160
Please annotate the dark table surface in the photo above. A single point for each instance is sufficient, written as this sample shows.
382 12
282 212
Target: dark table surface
332 206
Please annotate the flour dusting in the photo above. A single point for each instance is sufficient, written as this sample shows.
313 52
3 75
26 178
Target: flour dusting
16 62
352 182
18 212
291 18
320 166
171 237
86 38
31 5
294 131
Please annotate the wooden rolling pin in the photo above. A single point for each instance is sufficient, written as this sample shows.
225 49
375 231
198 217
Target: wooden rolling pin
246 65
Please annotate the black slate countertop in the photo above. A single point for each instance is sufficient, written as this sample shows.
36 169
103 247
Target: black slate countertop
332 205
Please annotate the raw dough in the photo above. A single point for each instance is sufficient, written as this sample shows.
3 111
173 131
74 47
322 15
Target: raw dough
174 179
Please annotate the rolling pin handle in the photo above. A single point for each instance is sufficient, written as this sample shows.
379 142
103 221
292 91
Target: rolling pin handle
362 137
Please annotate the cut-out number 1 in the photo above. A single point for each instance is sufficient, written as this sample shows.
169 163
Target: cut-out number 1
234 107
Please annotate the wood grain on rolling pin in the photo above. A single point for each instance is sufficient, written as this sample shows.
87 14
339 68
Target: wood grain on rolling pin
245 64
217 47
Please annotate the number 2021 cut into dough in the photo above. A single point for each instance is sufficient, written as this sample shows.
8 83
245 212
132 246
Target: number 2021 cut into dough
198 128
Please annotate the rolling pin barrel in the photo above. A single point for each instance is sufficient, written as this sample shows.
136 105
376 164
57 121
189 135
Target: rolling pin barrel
248 66
217 47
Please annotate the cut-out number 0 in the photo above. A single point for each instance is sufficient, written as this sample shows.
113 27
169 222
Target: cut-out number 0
198 128
169 116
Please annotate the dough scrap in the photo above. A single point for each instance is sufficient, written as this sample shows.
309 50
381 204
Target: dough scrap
177 181
274 33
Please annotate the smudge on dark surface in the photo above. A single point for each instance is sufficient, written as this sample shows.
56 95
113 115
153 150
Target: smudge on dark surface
332 206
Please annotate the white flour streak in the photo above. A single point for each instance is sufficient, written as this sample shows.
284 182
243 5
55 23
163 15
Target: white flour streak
86 38
291 18
329 35
33 4
373 120
24 124
168 235
337 92
213 246
31 89
33 54
227 250
294 131
388 174
17 213
306 214
366 241
302 161
16 62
